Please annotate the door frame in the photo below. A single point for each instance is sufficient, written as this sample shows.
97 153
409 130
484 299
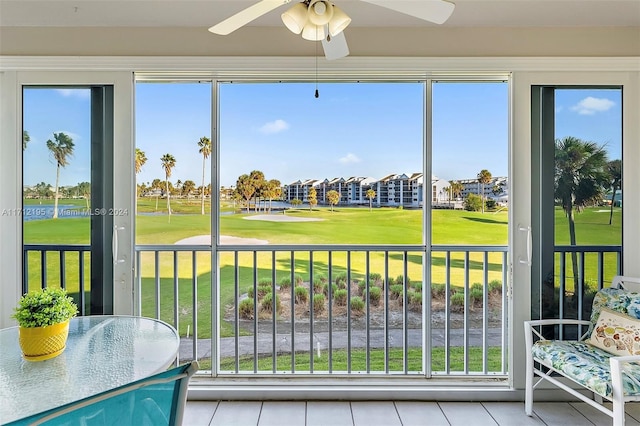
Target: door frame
521 203
11 85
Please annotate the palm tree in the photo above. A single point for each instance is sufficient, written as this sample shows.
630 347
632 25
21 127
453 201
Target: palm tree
156 185
370 194
580 175
84 188
615 177
333 197
140 159
484 177
205 149
245 188
272 189
168 163
25 139
455 188
61 149
312 197
257 180
187 188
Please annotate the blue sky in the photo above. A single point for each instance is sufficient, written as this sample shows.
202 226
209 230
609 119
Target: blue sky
352 129
48 111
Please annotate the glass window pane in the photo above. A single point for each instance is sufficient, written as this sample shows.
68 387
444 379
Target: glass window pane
343 168
56 184
173 162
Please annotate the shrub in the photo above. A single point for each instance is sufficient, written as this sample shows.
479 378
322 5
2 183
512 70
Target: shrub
362 287
473 203
392 282
318 286
285 283
357 304
495 286
301 294
375 279
417 287
457 301
263 282
245 308
264 289
321 278
396 291
334 288
318 302
438 290
298 279
400 279
414 301
340 296
375 294
475 296
490 204
266 305
341 280
250 292
477 286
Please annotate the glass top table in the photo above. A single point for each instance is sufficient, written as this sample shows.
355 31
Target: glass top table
102 352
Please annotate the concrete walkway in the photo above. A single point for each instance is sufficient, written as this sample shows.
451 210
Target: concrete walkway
339 340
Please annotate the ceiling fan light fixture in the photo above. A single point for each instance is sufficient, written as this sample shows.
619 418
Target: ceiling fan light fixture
295 18
320 12
313 32
339 22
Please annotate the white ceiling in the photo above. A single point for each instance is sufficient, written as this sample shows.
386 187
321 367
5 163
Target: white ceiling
204 13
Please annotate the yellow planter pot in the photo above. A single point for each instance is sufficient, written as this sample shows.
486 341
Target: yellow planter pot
40 343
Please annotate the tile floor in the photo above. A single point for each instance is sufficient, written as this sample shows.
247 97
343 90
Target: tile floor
395 413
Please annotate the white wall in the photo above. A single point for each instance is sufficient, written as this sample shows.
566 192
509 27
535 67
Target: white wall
524 71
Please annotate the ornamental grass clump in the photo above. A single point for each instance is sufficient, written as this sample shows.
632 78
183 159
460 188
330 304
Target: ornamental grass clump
45 307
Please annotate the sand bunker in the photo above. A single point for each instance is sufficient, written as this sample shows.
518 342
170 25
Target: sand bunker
226 239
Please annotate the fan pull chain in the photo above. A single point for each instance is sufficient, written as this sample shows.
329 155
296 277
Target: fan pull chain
317 94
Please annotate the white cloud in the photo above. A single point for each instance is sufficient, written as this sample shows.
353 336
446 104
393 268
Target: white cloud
274 127
78 93
349 159
591 105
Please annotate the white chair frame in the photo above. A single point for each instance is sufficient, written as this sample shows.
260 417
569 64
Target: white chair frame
617 363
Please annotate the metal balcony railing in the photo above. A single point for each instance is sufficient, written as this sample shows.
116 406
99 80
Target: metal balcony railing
359 310
337 310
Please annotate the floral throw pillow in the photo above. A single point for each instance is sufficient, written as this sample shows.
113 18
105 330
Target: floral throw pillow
616 333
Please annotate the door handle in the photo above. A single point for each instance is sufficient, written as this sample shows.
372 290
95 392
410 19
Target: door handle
114 244
526 229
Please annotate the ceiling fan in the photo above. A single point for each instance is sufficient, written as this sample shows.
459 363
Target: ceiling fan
322 20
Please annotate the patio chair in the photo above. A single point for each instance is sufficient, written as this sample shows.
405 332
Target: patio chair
155 400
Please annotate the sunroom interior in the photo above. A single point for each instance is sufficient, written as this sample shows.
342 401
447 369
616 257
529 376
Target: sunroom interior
534 49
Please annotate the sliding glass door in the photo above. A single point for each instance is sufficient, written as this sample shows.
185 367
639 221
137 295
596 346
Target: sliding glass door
74 211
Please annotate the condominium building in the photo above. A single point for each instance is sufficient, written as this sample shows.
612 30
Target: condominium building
393 190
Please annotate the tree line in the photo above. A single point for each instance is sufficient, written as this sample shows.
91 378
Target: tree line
583 174
168 163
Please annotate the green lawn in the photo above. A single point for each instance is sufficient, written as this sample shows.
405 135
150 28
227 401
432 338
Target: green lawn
342 226
376 361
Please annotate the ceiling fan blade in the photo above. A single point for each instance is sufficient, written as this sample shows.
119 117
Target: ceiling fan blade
336 47
245 16
436 11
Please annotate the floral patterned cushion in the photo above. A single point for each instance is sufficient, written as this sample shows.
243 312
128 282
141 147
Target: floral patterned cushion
616 299
587 365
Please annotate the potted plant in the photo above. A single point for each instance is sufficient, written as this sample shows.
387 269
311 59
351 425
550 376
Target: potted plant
43 319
